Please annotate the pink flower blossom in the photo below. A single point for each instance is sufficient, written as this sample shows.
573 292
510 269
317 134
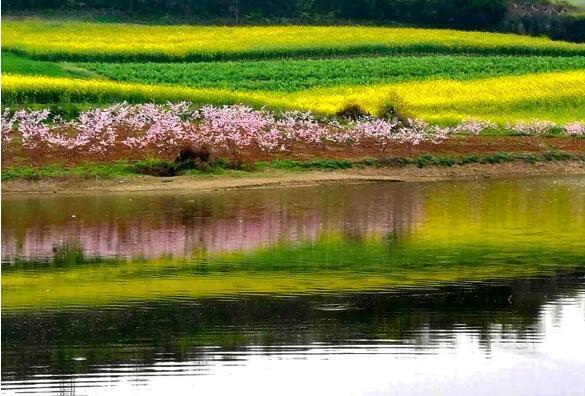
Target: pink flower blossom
226 130
474 127
575 129
533 128
381 133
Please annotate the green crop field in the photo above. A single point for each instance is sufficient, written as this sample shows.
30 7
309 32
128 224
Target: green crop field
295 75
442 76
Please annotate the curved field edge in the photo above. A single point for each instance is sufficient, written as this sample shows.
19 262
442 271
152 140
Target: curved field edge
287 75
15 64
558 97
85 41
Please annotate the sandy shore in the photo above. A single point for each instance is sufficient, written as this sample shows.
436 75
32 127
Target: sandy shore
275 178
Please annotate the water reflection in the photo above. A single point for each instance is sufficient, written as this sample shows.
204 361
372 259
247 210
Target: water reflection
433 288
548 210
532 327
156 225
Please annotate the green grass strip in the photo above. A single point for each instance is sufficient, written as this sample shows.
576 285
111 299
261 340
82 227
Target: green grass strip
219 166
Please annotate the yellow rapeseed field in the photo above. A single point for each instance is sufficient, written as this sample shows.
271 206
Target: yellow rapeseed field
96 41
24 89
558 97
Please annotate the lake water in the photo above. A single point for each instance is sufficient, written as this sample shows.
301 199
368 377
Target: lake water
455 288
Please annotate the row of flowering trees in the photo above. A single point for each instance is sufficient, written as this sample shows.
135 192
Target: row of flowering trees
229 130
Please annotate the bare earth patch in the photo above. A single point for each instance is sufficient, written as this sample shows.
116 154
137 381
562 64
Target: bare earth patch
459 145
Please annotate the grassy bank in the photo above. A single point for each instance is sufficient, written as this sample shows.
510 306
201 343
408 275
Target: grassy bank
219 167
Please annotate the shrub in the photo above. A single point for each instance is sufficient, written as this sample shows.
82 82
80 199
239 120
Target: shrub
497 158
556 156
191 157
394 107
353 112
155 167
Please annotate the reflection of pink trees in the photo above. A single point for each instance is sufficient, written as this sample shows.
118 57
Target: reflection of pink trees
267 219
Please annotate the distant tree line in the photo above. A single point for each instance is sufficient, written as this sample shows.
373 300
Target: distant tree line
538 17
556 20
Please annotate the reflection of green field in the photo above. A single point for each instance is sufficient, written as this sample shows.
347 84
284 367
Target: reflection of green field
330 265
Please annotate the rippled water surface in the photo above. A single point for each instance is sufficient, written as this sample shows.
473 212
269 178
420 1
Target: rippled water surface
391 288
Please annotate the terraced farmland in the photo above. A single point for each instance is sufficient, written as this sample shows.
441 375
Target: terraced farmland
441 76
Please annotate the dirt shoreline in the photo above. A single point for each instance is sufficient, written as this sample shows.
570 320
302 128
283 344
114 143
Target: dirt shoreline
275 178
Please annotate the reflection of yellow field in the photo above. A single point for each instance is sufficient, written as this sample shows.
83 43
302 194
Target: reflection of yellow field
94 287
144 42
559 97
548 216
